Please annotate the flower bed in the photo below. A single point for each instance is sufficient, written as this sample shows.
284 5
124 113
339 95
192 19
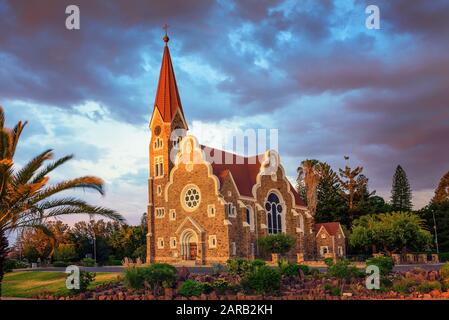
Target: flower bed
259 283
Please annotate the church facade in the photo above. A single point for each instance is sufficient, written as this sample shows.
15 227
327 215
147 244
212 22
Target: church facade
206 205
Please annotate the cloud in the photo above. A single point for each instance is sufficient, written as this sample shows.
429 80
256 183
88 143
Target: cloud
310 69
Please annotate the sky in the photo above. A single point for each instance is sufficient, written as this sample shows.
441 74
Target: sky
310 69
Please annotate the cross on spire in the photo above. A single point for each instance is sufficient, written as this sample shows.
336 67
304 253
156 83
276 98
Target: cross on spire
165 27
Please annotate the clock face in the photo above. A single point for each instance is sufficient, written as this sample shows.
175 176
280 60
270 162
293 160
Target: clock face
157 130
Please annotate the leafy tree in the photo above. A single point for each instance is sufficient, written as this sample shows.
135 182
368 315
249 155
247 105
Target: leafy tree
442 191
401 194
308 172
350 184
26 198
331 205
392 232
280 243
83 234
439 212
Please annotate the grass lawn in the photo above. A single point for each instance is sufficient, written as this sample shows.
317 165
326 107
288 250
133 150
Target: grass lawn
32 283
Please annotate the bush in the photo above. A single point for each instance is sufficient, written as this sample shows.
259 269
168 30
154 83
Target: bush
288 269
385 264
334 291
305 269
191 288
10 264
403 285
88 262
344 270
134 277
241 267
86 278
262 280
280 243
218 268
220 285
443 256
156 276
444 271
427 286
329 261
60 264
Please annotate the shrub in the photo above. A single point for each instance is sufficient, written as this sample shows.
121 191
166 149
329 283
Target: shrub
305 268
60 264
444 272
86 278
156 276
443 256
9 265
241 267
160 275
403 285
334 291
385 264
280 243
191 288
88 262
134 277
288 269
262 280
220 285
344 270
112 261
218 268
329 261
427 286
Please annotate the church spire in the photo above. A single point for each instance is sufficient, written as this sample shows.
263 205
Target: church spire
167 95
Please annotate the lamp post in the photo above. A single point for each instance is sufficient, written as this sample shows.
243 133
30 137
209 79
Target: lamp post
94 240
435 229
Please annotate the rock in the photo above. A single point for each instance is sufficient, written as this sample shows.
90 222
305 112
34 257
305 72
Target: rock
427 296
435 293
168 293
347 294
102 297
213 296
120 296
203 296
432 275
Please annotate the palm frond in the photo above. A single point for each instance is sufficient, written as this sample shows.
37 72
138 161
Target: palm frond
88 182
17 131
51 167
24 175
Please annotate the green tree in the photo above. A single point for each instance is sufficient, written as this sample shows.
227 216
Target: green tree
331 205
401 194
26 198
390 232
350 183
309 176
280 243
442 191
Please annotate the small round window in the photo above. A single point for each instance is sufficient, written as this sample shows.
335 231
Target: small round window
191 197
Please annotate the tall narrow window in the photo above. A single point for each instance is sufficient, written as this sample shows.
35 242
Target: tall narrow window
159 166
273 208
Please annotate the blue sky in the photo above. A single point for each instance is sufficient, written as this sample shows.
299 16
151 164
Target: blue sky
308 68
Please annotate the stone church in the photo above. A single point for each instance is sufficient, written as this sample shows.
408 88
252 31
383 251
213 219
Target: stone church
206 205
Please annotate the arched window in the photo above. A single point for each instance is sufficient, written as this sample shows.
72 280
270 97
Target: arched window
274 214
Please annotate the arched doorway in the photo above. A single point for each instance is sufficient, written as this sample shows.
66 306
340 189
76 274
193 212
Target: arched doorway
189 245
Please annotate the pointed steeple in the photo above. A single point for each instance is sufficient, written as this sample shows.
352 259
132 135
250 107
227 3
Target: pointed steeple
167 95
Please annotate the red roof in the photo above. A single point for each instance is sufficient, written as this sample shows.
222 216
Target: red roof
244 170
331 227
167 95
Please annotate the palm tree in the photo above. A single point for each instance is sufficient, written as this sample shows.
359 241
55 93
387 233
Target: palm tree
309 173
26 198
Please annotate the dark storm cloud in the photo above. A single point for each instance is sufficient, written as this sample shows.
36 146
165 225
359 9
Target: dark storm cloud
328 83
